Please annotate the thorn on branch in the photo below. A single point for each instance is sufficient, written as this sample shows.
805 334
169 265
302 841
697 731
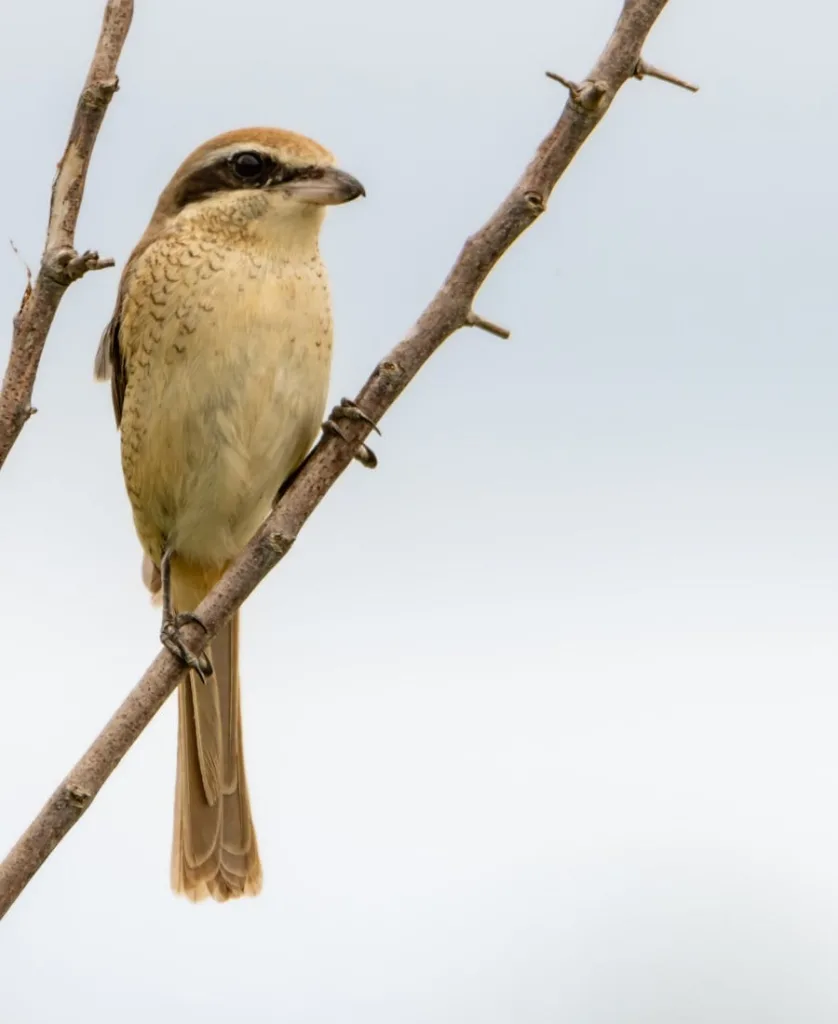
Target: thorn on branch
66 265
473 320
571 87
26 266
27 291
588 95
643 69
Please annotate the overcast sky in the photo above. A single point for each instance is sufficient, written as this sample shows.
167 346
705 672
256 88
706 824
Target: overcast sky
540 717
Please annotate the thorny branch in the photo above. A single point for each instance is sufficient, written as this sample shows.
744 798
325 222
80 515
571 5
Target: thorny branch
60 263
449 310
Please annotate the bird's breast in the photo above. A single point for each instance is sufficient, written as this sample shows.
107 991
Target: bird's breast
228 351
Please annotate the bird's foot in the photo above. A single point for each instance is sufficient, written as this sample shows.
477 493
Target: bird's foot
172 640
348 410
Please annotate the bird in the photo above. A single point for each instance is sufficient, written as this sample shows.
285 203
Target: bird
219 354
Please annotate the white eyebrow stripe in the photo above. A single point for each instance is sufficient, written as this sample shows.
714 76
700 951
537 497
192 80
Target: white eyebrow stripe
217 155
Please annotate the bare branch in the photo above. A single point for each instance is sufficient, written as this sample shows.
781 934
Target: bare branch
449 310
566 82
587 95
60 263
473 320
643 69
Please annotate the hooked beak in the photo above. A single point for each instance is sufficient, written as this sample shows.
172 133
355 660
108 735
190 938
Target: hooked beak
330 188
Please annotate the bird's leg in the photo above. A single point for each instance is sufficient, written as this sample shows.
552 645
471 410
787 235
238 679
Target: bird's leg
172 624
348 410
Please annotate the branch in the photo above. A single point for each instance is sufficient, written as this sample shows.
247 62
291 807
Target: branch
449 310
644 69
60 263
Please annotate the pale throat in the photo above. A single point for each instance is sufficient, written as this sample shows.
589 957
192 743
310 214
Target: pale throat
268 222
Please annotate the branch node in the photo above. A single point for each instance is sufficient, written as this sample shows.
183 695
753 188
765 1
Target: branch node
63 266
473 320
22 415
535 201
643 69
592 95
279 543
588 96
388 368
78 795
98 95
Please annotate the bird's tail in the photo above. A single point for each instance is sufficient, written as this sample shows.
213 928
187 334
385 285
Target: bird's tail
214 850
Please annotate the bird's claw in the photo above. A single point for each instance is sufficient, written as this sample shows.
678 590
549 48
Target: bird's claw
350 411
366 456
172 640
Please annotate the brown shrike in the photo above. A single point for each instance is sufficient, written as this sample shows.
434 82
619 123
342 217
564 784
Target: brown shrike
219 353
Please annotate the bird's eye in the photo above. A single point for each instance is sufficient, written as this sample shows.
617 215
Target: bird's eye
248 166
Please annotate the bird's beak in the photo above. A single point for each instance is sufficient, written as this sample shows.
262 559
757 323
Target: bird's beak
331 188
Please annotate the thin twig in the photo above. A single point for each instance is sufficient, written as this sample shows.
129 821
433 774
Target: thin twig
473 320
448 311
587 95
60 263
566 82
643 69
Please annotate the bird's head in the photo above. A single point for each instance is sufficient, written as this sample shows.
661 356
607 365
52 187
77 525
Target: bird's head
259 174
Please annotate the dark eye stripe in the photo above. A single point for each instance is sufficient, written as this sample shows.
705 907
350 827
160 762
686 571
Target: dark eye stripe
220 176
223 176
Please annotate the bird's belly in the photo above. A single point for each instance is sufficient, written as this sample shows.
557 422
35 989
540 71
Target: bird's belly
225 419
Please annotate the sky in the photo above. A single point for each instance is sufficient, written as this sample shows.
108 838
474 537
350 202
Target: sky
540 716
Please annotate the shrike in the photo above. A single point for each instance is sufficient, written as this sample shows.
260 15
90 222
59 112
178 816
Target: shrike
219 353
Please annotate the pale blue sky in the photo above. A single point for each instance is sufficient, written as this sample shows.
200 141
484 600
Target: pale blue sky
540 716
